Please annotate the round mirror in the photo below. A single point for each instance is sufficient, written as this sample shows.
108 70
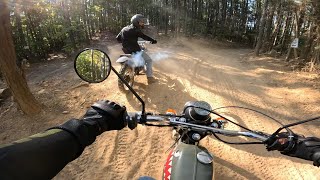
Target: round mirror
92 65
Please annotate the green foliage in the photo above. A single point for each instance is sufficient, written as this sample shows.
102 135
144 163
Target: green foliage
45 26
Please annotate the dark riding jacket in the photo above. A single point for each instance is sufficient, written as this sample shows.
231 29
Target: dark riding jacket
41 156
128 36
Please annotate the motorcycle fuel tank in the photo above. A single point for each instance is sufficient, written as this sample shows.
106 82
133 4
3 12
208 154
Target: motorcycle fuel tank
188 162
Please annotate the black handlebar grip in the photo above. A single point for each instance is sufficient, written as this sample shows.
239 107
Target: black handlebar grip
316 158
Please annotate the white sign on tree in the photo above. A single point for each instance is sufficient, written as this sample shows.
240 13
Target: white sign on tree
295 43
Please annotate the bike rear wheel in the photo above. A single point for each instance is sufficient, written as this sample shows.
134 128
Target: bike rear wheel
128 75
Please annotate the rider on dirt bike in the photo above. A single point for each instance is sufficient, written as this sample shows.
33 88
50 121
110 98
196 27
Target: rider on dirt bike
129 35
43 155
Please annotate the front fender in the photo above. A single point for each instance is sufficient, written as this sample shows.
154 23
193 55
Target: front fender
126 60
122 59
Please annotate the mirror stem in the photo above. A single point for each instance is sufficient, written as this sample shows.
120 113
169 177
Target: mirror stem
133 91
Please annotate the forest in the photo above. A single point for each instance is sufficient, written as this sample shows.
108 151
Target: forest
33 29
44 26
255 62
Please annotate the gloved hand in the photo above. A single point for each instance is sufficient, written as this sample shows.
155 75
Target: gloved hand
154 42
304 148
107 114
102 116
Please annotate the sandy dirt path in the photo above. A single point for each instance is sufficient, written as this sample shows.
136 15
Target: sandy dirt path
186 71
220 76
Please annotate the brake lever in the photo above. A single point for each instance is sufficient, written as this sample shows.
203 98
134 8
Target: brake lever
281 143
134 118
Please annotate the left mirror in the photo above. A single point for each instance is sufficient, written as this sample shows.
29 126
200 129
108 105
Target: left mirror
92 65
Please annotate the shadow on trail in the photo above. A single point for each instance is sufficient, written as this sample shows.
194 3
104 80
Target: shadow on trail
238 170
163 94
204 71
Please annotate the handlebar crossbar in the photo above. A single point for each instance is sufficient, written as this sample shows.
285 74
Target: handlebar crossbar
174 121
144 42
254 135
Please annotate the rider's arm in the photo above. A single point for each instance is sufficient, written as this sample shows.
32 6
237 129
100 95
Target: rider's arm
43 155
40 156
145 37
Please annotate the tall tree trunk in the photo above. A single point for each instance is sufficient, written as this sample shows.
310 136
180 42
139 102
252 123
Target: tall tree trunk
186 10
67 19
178 22
261 28
209 20
194 16
244 14
287 32
224 14
268 29
21 38
13 76
166 17
173 17
86 20
85 27
258 15
216 18
278 24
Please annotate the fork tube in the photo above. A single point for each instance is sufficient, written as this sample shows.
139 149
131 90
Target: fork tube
133 91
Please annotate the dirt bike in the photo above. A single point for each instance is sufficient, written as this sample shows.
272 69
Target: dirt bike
131 66
187 159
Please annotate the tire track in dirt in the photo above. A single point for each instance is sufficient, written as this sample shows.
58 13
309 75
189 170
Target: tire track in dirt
236 97
222 82
130 154
232 96
120 155
137 152
154 156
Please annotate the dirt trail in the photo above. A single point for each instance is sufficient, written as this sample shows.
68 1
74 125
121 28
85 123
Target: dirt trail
192 70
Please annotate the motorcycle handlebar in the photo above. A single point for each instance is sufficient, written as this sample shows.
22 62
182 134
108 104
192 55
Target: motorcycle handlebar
144 42
137 118
174 120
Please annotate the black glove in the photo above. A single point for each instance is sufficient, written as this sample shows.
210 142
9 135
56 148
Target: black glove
102 116
154 42
300 147
107 114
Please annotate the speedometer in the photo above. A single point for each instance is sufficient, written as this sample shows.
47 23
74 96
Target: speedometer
197 110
